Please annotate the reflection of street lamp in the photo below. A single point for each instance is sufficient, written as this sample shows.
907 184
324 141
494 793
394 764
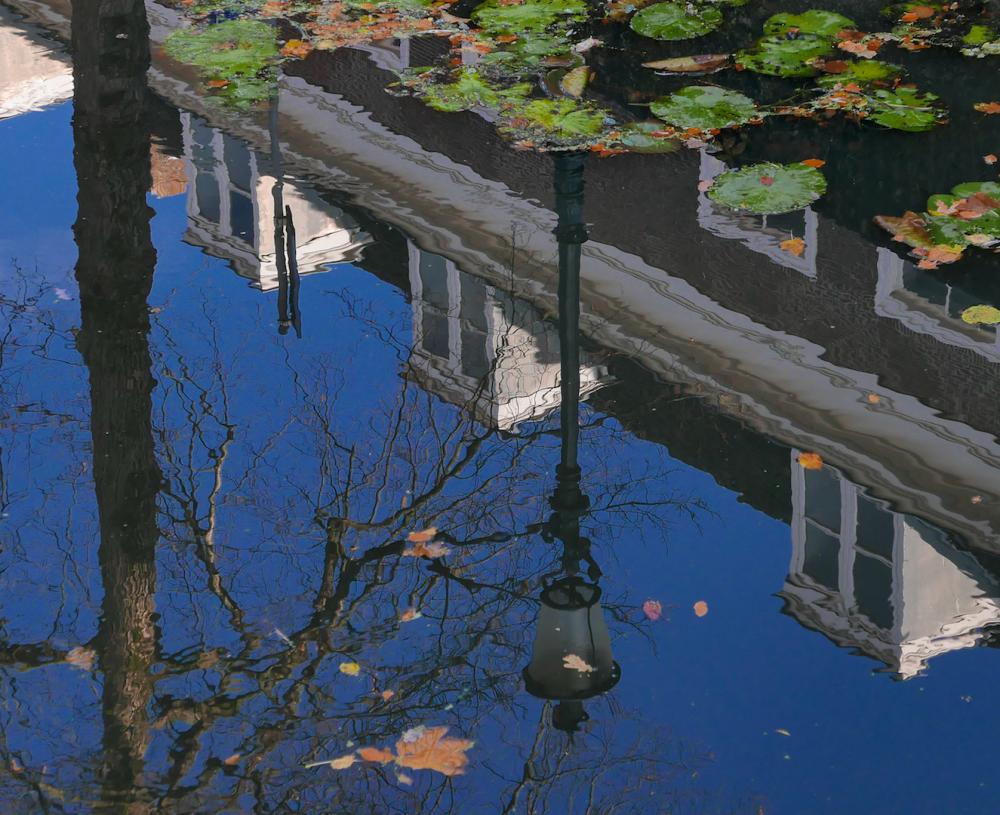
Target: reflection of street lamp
571 621
285 253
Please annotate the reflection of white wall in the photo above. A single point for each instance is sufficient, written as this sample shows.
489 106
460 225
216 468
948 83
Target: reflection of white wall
934 310
883 582
475 344
761 233
231 210
33 74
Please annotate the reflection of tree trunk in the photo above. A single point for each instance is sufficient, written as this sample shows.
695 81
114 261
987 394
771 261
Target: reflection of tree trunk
116 257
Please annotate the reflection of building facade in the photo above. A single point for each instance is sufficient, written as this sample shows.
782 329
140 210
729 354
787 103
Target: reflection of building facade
231 210
33 73
474 344
888 584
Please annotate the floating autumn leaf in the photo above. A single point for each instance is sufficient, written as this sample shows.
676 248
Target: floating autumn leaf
813 162
387 695
653 609
432 750
350 668
987 107
428 550
700 608
423 536
810 461
990 158
873 399
233 760
296 48
82 658
341 763
378 754
403 778
409 615
571 662
981 315
698 64
794 246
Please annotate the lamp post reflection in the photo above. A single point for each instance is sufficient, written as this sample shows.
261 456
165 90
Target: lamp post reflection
571 620
285 251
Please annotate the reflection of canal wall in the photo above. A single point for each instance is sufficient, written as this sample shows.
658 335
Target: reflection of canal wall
33 73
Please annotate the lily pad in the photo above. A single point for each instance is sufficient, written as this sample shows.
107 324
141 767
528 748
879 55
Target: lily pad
639 138
825 24
705 107
866 72
991 188
981 315
768 189
468 91
676 21
234 53
778 55
554 123
531 17
905 109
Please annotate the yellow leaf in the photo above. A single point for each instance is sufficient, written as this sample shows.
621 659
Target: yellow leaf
350 668
428 749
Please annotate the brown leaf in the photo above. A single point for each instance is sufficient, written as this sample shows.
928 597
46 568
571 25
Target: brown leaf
428 550
987 107
700 608
431 750
423 536
376 754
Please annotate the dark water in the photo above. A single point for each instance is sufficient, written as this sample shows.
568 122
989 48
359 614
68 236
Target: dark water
219 428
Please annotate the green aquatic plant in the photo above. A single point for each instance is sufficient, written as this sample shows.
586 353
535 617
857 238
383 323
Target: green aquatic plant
780 55
705 107
768 188
528 18
554 123
863 73
827 24
235 56
905 109
676 20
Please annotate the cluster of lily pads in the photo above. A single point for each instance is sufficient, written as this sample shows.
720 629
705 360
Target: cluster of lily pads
524 62
968 216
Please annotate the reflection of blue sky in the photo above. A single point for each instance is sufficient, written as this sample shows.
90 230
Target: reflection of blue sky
859 742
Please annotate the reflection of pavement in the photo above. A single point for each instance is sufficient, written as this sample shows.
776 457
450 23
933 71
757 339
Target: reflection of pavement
33 73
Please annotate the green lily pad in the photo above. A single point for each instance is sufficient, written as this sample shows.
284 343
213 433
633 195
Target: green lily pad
706 107
991 188
531 17
638 138
981 315
904 109
778 55
554 123
768 189
825 24
676 21
862 73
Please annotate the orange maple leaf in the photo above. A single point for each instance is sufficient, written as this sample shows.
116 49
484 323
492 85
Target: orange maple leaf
795 246
813 162
987 107
810 461
431 750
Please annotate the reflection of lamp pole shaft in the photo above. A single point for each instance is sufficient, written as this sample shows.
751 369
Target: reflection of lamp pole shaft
571 233
277 193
